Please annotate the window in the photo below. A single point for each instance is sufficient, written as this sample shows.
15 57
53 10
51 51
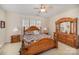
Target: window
31 22
25 23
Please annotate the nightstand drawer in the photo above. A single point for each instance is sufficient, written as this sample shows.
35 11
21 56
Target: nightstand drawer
15 38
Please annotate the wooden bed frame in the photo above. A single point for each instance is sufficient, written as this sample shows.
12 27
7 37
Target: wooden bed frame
70 39
37 47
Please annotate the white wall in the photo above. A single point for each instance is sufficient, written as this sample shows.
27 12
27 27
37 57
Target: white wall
69 13
2 31
13 21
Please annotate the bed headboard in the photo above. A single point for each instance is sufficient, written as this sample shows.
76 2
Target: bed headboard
31 28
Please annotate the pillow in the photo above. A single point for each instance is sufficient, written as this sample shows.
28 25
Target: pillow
11 49
36 32
28 33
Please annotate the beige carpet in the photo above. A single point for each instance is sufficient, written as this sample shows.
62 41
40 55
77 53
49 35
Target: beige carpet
61 50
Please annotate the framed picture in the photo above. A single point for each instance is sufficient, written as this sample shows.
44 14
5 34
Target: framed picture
2 24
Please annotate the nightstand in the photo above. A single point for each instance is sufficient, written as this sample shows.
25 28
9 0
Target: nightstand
15 38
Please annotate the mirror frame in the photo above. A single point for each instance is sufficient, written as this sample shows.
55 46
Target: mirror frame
73 24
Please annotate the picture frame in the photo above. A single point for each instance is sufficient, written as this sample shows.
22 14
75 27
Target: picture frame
2 24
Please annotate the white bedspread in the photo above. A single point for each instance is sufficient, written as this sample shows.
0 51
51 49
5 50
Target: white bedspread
37 37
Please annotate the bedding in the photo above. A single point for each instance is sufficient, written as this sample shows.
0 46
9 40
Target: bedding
28 33
36 32
36 37
33 34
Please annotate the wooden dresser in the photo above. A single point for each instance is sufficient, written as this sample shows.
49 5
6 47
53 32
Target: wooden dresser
67 37
15 38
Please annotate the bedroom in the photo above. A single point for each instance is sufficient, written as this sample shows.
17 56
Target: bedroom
17 18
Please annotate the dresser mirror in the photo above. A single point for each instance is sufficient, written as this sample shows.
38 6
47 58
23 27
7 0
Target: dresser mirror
65 27
66 31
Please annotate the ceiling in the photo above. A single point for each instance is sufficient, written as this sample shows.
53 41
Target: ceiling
28 9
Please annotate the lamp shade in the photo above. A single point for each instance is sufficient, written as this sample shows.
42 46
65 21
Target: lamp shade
45 28
15 30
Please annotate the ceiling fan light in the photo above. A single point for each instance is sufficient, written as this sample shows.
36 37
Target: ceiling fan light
43 10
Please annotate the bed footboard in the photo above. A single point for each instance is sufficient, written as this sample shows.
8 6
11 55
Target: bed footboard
39 46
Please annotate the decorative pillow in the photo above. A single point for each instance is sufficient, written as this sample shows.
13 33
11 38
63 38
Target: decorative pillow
11 49
36 32
28 33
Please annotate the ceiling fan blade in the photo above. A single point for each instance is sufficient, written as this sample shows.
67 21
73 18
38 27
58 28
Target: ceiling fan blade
42 6
50 6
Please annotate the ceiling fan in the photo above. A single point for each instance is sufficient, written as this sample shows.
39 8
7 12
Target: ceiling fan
43 8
